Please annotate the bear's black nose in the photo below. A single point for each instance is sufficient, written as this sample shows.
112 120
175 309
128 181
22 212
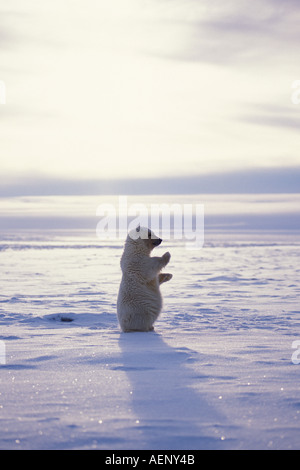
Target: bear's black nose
157 241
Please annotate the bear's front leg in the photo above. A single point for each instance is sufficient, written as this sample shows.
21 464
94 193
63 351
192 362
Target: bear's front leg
154 264
164 277
166 258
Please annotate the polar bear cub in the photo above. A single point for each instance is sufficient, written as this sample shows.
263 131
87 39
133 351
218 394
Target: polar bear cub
139 300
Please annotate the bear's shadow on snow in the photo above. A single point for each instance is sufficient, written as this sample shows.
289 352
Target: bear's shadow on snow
170 413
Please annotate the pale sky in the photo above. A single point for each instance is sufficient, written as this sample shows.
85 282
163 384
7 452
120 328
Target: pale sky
110 89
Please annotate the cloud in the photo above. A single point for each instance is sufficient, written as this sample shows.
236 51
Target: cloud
234 32
290 123
284 117
258 180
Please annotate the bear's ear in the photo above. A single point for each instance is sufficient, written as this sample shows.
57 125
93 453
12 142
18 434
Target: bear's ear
138 228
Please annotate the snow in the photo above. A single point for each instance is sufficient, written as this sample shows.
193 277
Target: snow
217 373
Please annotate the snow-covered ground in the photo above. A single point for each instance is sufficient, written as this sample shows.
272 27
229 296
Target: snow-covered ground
217 373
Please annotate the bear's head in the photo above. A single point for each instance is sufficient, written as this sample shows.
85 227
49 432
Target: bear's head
143 238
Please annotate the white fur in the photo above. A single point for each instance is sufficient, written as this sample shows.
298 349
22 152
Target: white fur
139 300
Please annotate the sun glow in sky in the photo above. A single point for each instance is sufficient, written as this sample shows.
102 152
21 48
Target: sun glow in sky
147 88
